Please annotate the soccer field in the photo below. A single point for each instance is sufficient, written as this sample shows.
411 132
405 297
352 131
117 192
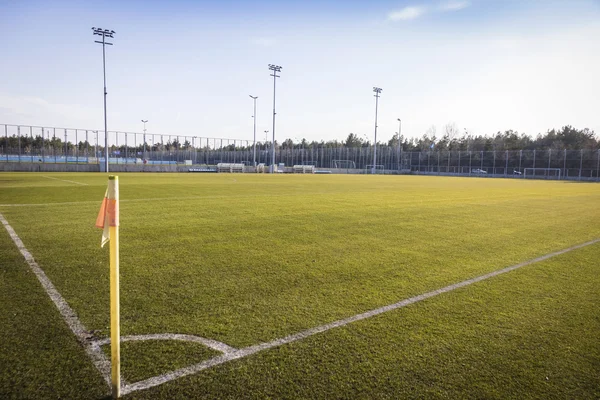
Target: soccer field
245 260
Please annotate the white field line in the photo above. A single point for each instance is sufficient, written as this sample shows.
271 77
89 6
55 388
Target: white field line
213 344
102 363
64 180
95 353
192 369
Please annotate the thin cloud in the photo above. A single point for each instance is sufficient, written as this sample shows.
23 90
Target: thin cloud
407 13
454 5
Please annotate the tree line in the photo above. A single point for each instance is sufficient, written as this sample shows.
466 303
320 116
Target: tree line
451 139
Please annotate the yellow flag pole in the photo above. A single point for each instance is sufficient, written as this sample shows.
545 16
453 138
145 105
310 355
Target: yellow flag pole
115 341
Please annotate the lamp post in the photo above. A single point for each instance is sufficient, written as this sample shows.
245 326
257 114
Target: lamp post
104 33
275 69
144 122
266 147
254 118
377 91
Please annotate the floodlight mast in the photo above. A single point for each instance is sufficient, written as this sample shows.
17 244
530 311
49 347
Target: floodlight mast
275 69
144 122
254 118
266 146
377 91
104 33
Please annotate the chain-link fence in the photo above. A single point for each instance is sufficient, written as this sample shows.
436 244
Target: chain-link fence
59 145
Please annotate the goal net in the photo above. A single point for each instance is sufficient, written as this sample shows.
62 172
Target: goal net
377 169
541 173
344 164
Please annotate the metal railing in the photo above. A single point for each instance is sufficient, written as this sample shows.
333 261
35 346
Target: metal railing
35 144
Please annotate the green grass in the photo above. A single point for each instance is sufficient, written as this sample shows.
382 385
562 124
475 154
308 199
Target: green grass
248 258
143 360
39 356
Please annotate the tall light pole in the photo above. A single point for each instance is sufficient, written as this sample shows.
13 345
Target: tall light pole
275 69
399 133
254 118
104 33
377 91
266 139
144 122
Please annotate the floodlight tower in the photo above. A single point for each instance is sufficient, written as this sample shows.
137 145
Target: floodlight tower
144 122
377 91
266 139
275 69
105 33
254 118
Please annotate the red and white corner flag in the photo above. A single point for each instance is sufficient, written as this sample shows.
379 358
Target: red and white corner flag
108 219
109 210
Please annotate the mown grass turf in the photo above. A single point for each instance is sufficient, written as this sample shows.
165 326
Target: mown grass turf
531 333
142 360
39 356
246 258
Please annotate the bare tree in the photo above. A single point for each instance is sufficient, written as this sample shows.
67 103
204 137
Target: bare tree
451 131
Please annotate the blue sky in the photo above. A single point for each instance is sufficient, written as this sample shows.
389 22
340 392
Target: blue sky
189 66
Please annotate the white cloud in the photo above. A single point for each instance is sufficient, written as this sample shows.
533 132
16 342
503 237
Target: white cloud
454 5
407 13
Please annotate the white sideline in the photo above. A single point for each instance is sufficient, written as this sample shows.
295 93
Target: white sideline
101 362
158 380
98 357
65 180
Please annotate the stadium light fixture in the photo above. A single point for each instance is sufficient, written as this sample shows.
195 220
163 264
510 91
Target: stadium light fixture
105 33
254 118
275 69
377 91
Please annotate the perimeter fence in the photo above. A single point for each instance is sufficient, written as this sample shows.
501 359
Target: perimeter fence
36 144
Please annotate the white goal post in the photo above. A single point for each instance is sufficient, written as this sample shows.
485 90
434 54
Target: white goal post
378 168
344 164
542 173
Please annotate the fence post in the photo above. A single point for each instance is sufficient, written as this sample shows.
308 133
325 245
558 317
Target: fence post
19 141
481 160
31 137
598 167
42 152
565 165
470 161
580 163
54 143
66 151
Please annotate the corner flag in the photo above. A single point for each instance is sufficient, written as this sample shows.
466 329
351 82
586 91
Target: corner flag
108 219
